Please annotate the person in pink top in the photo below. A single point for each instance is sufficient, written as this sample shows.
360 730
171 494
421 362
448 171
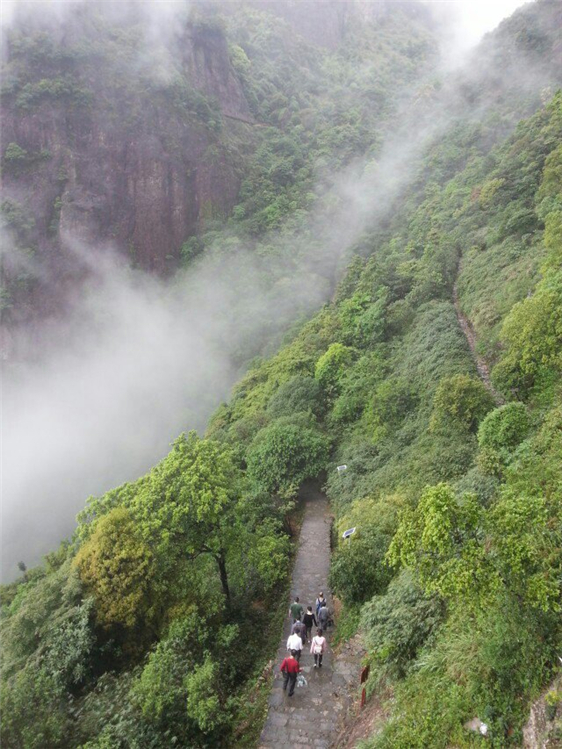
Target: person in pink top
318 648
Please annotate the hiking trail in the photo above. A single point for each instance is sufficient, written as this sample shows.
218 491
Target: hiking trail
466 327
314 715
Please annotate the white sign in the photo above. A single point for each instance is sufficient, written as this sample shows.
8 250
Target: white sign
342 468
350 532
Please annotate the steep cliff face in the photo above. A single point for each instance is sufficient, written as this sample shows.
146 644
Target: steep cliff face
139 135
90 158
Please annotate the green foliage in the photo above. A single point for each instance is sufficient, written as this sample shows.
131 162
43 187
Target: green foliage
178 565
34 689
399 623
116 566
504 428
500 433
282 456
298 394
16 218
203 704
532 334
440 540
358 570
64 89
460 402
331 368
14 154
16 159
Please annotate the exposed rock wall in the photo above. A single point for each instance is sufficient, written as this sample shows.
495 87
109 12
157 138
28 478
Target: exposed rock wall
129 170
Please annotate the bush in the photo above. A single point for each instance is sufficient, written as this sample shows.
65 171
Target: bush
300 393
34 710
500 433
331 368
115 565
477 482
398 624
532 334
461 402
282 456
358 569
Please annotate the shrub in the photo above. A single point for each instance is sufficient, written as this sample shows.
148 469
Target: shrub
358 569
460 401
500 433
114 564
532 333
34 710
331 368
15 155
282 456
400 622
300 393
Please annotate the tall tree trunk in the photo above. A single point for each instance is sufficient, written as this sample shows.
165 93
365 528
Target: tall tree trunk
221 561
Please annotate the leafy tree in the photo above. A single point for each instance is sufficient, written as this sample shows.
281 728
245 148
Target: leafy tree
282 456
300 393
441 541
526 548
204 704
34 710
180 680
500 433
116 566
358 570
532 334
461 402
331 368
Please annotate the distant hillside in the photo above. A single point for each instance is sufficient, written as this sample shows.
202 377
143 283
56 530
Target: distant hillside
119 129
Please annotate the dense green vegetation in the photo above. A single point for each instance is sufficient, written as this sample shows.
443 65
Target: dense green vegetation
454 571
143 629
152 625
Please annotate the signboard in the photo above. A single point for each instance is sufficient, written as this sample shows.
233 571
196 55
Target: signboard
348 533
342 468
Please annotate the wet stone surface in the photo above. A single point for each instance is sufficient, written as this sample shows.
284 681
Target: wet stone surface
312 716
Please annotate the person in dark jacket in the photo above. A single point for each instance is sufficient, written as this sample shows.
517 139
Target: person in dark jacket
300 629
309 620
290 669
324 616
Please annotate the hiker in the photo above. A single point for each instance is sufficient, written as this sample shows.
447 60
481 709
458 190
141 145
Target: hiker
320 601
300 629
290 669
324 616
295 643
308 620
296 610
318 647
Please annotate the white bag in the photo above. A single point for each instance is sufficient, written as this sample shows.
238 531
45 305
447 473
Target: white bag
301 681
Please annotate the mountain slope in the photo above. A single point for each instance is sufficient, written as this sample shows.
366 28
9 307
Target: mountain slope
119 129
139 632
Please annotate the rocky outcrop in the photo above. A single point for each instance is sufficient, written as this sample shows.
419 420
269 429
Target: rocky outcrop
110 164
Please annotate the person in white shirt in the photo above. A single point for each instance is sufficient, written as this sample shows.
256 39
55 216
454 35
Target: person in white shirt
318 648
295 643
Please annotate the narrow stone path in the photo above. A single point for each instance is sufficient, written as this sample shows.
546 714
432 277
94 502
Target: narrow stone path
481 365
314 714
